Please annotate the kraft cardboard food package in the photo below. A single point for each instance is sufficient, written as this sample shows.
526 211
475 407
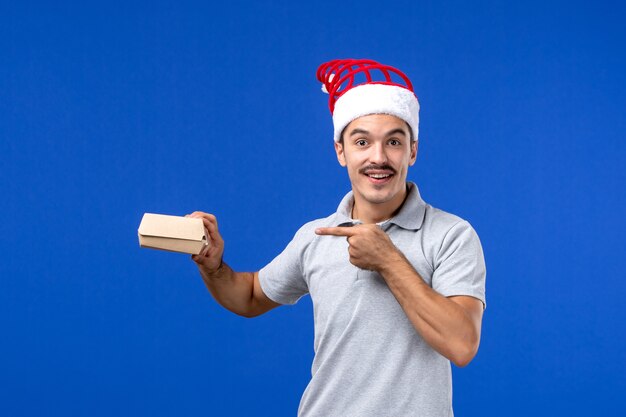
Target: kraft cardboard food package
172 233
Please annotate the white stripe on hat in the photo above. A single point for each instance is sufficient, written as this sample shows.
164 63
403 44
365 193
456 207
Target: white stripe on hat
366 99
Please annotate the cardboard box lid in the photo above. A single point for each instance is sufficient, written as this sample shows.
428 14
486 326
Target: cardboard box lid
174 227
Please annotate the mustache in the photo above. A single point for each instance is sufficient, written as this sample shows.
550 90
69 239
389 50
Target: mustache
377 167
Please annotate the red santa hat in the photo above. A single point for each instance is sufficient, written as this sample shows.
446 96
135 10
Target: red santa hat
359 87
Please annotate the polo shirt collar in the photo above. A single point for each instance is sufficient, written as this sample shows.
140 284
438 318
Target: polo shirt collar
410 216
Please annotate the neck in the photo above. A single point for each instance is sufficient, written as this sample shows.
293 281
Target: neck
370 213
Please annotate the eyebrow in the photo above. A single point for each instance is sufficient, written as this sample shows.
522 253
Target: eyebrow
359 131
395 132
365 132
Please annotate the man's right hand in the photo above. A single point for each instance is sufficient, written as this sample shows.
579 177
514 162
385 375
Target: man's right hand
210 259
239 292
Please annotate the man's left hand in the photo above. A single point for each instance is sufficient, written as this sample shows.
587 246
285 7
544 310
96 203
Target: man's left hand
369 247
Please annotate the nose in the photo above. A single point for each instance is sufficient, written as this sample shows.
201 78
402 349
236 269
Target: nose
378 154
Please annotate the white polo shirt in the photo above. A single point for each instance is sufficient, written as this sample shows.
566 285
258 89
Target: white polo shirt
369 359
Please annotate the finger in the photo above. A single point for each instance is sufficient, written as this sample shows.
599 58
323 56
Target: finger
204 252
335 231
202 215
208 220
211 228
200 260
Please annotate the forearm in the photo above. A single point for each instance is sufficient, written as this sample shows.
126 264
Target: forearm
444 324
233 290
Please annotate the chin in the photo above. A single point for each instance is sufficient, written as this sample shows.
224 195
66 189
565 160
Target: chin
378 197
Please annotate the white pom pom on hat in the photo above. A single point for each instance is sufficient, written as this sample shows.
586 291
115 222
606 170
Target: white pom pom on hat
348 101
330 79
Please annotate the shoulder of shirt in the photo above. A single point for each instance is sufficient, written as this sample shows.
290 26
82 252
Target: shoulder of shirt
441 222
440 229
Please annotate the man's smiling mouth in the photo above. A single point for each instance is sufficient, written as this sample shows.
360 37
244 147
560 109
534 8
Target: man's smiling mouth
378 174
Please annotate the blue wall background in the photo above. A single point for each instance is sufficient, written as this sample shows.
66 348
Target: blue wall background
111 110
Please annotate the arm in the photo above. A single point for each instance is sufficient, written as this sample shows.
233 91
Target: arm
239 292
450 325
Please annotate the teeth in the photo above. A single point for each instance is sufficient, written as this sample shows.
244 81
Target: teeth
379 176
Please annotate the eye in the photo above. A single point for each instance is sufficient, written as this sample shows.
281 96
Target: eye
361 142
394 142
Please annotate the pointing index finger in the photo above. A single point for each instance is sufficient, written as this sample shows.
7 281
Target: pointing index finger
335 231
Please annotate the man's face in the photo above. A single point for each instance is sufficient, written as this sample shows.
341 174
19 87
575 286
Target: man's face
377 151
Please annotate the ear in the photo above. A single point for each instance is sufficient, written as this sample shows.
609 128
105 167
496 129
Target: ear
413 153
340 154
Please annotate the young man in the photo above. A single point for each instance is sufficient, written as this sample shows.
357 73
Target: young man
398 287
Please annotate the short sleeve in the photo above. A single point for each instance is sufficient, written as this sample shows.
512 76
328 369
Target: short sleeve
460 264
282 280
